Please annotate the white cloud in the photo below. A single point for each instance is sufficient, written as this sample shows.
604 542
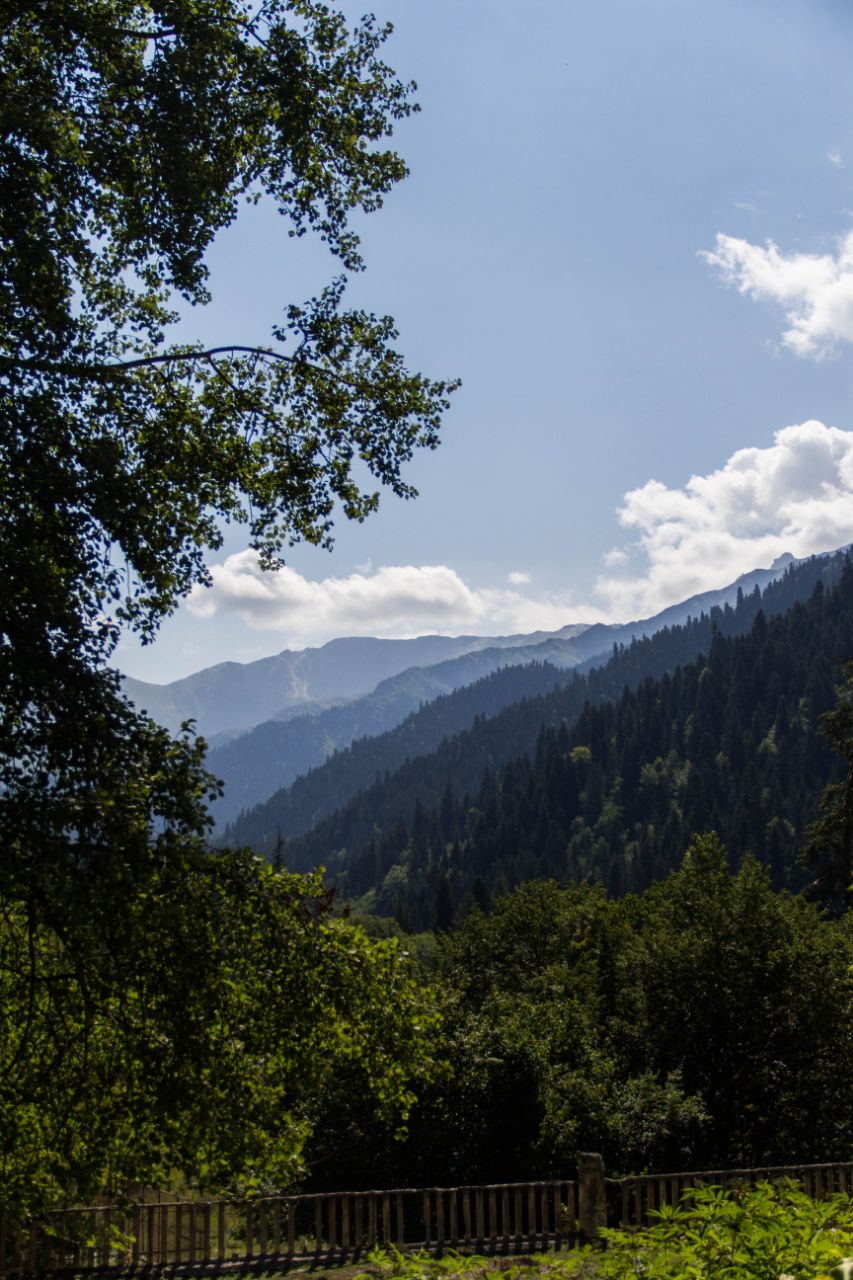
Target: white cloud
393 600
834 157
815 290
796 495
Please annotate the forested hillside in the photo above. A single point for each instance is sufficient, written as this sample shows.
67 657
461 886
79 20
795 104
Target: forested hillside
438 825
257 764
729 742
320 791
265 762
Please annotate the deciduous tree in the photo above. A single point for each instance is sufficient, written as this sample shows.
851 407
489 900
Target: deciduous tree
130 133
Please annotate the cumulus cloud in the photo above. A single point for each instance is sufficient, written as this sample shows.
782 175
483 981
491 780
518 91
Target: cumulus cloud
815 290
796 495
834 157
393 600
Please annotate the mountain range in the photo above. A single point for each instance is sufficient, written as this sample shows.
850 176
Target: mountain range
272 721
364 792
234 696
714 724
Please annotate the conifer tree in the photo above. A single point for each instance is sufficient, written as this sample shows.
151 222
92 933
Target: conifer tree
829 840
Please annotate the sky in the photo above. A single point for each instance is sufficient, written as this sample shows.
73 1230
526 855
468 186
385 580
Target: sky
628 228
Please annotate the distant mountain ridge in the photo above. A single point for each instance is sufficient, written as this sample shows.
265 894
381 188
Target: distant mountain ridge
598 637
448 800
231 697
274 753
313 796
272 721
234 696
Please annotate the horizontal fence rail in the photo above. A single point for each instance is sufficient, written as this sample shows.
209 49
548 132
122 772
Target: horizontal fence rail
509 1217
630 1201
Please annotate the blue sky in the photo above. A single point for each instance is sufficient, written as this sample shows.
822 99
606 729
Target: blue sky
571 165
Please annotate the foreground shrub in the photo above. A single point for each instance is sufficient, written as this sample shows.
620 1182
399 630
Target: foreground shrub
765 1234
774 1232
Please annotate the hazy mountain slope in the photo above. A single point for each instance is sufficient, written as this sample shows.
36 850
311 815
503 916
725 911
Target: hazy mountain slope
323 788
254 766
490 742
271 755
311 707
234 695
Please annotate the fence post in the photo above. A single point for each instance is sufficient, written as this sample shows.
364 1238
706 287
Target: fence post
592 1200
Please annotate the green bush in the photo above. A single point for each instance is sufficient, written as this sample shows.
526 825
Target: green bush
766 1234
774 1232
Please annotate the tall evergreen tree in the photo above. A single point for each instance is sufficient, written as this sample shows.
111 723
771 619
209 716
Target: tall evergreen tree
829 840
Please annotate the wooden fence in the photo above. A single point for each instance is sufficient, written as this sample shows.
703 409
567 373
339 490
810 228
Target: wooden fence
274 1231
629 1200
338 1226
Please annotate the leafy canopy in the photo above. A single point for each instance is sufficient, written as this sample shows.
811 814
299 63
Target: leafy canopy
703 1024
232 1001
130 133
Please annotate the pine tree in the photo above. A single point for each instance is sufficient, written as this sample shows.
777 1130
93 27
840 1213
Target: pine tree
829 841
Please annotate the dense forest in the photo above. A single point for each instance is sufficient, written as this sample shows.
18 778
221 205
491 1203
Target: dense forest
705 1023
614 783
608 980
273 749
481 727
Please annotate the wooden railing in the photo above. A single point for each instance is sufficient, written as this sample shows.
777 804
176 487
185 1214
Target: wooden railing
630 1200
511 1218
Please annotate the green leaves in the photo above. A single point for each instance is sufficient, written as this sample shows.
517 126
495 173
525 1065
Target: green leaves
166 1007
235 1001
703 1024
774 1232
764 1234
126 153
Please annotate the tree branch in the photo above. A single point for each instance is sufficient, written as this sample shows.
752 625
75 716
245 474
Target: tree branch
130 33
96 372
